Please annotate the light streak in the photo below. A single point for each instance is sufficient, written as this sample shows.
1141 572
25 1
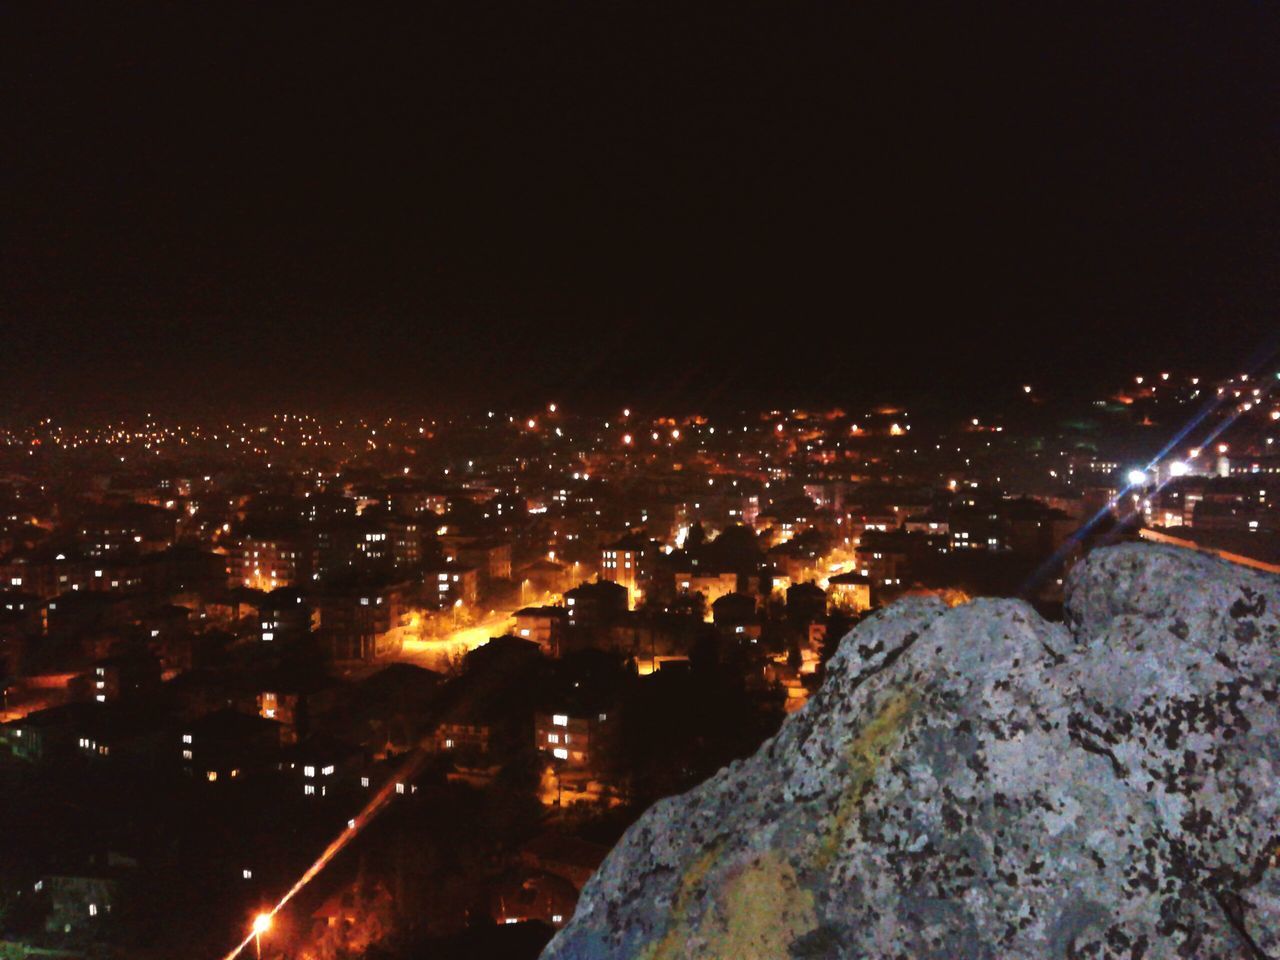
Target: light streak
371 809
1260 357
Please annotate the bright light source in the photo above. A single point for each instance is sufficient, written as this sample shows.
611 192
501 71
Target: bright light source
1026 388
626 439
261 924
551 408
1222 448
1178 468
1137 478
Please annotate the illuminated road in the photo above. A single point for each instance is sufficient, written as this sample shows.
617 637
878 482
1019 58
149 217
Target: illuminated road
434 654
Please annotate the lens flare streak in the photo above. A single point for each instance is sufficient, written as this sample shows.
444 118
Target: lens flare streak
371 809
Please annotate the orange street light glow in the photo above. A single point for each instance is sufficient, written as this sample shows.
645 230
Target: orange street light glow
410 768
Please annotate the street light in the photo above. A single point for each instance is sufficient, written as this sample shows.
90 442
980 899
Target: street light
261 924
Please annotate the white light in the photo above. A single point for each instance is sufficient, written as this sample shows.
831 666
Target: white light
1137 478
1178 469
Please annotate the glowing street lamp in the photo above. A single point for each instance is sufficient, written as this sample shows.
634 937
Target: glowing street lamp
261 924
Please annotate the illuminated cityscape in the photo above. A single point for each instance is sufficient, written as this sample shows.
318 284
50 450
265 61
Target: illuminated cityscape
432 438
530 624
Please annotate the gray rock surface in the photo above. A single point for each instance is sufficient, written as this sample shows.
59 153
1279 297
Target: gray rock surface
978 782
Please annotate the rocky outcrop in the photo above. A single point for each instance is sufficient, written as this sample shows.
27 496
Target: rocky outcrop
978 782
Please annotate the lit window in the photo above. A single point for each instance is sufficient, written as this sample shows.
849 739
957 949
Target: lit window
553 738
560 720
247 874
560 753
308 771
93 909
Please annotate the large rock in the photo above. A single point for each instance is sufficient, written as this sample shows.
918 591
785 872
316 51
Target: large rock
981 783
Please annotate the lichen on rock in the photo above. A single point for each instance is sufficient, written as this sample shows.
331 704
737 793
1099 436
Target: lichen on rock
978 782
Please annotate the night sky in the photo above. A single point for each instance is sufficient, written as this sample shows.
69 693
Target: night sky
226 207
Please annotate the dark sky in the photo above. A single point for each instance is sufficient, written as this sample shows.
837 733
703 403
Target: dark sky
691 203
